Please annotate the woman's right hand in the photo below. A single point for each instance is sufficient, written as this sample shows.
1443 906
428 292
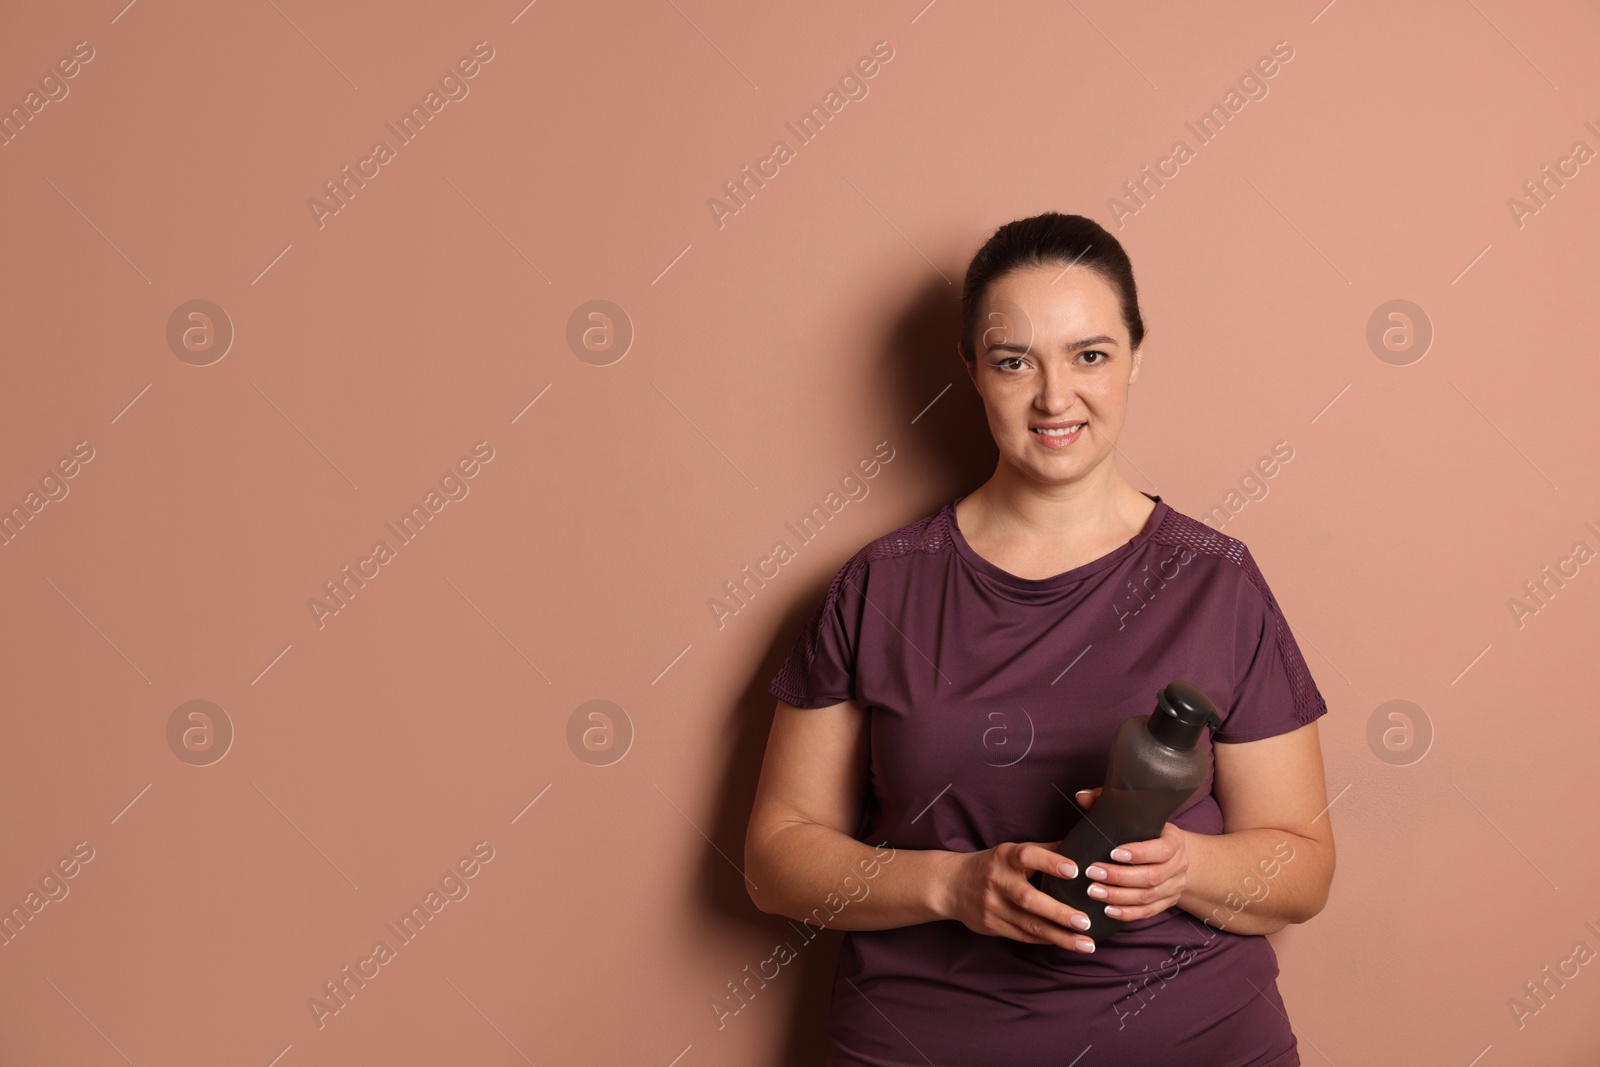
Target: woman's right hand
989 893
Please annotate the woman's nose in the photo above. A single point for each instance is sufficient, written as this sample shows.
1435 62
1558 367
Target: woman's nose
1055 391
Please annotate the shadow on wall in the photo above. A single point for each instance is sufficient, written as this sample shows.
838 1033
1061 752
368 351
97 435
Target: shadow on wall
951 440
954 455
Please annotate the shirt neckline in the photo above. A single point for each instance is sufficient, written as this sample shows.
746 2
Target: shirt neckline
1033 588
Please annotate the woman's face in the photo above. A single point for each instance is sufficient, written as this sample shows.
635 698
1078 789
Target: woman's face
1052 353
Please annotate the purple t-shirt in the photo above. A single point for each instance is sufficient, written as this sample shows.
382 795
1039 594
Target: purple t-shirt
991 699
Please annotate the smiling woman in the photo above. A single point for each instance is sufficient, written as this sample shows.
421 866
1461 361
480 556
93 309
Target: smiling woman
1011 602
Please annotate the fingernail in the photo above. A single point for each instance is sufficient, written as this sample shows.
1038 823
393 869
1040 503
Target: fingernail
1098 891
1121 855
1113 911
1083 792
1082 921
1097 871
1068 870
1085 945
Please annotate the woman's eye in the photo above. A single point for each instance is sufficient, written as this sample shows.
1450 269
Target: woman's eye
1002 363
1102 359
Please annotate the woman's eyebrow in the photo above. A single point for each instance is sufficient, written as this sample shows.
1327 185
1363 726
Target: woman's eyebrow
1098 339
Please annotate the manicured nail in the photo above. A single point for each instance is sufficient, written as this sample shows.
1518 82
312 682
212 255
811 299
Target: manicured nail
1068 870
1113 911
1121 855
1097 871
1085 945
1098 891
1081 921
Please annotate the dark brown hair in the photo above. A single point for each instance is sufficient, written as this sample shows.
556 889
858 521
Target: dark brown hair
1045 240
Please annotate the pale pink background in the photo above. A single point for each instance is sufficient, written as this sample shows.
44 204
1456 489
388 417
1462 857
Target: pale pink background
770 355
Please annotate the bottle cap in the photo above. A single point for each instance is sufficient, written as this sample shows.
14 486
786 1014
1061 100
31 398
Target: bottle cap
1182 711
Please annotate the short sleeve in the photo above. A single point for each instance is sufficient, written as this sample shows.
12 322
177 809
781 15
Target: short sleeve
820 670
1275 692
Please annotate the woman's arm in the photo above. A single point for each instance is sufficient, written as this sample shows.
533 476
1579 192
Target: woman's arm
1273 863
800 858
803 862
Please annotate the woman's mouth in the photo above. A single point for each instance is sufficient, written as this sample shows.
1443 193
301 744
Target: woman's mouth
1058 436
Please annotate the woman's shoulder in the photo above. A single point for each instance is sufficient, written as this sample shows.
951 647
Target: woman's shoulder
1181 532
1185 531
926 536
920 539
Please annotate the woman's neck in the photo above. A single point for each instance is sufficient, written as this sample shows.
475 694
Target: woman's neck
1025 527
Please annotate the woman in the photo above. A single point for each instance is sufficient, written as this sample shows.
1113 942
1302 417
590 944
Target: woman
966 672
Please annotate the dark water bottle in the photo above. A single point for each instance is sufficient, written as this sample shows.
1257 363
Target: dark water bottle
1156 765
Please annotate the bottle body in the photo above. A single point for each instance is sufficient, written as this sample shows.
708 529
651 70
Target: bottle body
1146 782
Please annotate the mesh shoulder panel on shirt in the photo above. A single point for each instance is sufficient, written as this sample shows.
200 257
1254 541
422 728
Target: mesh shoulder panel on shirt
929 535
1180 529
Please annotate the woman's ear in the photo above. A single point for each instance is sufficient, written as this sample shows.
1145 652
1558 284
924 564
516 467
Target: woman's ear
1138 354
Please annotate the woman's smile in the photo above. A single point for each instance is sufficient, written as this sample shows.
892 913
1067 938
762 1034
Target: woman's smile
1058 434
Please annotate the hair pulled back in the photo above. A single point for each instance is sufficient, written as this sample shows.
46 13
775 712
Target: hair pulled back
1047 240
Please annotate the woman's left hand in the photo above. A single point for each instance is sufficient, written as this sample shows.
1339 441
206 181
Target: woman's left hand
1151 878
